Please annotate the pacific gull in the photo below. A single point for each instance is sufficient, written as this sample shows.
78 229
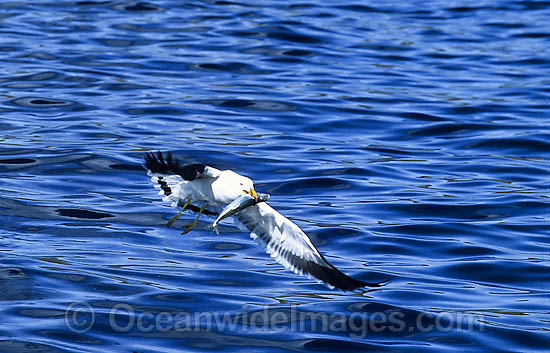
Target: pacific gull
204 189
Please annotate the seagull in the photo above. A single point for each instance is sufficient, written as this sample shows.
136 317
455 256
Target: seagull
204 189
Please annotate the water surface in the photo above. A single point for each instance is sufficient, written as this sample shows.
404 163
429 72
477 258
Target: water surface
410 141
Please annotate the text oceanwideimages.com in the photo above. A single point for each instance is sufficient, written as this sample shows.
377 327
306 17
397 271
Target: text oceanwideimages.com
81 317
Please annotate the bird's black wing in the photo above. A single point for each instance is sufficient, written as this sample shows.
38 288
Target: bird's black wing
168 175
165 164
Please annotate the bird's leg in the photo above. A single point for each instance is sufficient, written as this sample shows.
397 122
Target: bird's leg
192 225
173 219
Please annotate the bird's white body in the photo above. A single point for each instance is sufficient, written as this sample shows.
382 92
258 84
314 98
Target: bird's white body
216 187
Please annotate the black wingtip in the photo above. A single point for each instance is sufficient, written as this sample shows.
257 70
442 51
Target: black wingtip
160 163
344 282
164 163
336 278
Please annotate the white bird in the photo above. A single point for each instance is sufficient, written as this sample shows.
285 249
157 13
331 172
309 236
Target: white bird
207 186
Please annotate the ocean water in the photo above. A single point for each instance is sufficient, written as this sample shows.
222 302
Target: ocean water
409 140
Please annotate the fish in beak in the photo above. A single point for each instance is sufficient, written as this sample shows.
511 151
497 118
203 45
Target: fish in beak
239 204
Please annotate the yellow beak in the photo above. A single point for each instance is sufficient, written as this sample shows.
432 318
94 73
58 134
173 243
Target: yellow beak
254 194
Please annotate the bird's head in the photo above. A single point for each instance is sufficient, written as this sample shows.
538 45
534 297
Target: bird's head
231 185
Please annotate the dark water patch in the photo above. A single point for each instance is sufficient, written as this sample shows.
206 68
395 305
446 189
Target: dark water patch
335 345
461 9
524 62
286 60
11 273
284 33
7 48
428 230
350 171
298 186
156 110
6 127
40 76
129 167
470 251
538 231
469 110
360 8
175 297
514 339
46 104
22 345
502 272
260 105
122 43
124 87
328 233
433 33
421 116
92 3
470 212
17 161
142 28
383 47
297 52
444 56
85 214
505 25
457 129
275 52
72 337
392 58
16 285
228 3
141 6
528 145
129 6
233 67
532 35
162 66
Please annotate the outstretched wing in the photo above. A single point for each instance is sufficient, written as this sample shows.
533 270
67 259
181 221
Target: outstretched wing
168 175
291 247
164 165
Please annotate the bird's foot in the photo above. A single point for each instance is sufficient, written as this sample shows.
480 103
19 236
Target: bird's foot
188 227
175 218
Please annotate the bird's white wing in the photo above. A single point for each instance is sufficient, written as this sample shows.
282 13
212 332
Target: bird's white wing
169 187
291 247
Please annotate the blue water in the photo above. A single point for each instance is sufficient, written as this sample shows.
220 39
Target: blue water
409 140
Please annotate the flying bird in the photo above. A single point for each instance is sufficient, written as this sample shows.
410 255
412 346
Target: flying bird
206 190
